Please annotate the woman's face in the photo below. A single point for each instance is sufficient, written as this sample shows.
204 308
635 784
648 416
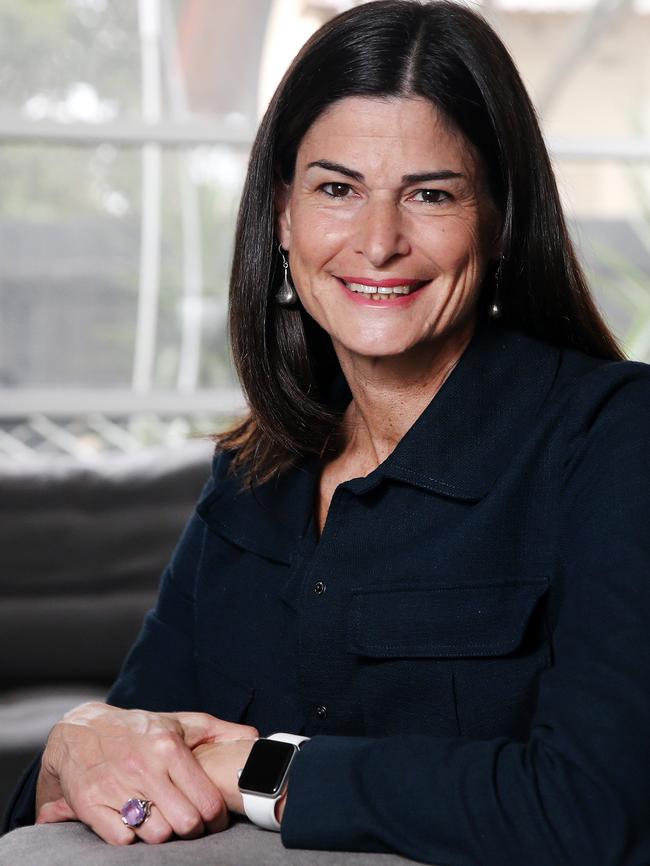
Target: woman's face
389 225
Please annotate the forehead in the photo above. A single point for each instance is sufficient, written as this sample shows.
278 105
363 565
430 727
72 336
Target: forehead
396 132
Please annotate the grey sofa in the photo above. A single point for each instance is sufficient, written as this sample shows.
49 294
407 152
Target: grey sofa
82 547
240 845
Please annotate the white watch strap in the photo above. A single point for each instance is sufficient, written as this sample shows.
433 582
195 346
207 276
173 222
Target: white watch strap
296 739
261 810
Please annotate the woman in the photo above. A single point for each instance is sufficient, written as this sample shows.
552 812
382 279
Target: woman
425 548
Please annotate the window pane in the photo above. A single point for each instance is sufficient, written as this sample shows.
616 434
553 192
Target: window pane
65 60
80 60
70 237
609 203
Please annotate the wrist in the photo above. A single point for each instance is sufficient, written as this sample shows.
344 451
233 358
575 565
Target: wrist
221 761
279 806
263 780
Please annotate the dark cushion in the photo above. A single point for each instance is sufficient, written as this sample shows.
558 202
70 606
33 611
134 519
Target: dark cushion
82 548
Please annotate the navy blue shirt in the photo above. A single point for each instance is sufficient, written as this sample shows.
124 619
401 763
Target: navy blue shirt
468 642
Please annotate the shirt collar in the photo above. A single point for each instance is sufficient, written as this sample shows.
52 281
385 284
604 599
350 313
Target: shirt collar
465 438
457 448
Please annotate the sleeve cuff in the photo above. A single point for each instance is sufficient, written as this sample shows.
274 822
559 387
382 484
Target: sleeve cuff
324 804
21 809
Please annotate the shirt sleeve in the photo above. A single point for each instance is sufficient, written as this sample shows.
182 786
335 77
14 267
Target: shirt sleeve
20 809
158 673
578 790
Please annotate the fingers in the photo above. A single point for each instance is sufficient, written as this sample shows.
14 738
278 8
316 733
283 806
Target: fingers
184 793
107 822
203 728
102 756
189 776
186 802
55 811
172 814
108 825
157 828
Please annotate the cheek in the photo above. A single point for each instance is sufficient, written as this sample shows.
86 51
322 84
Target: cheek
316 239
453 244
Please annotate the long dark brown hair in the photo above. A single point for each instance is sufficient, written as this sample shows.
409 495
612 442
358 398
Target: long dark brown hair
449 55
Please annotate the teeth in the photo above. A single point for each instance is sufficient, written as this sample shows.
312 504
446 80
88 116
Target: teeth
377 291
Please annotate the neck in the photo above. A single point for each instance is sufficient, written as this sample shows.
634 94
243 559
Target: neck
390 393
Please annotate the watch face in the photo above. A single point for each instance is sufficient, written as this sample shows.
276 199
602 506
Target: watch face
266 767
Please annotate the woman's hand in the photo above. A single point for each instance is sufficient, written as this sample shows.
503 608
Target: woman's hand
222 762
99 756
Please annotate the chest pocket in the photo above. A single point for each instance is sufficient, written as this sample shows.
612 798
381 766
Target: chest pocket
449 660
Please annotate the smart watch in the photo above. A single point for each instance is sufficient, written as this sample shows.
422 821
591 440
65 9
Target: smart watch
264 777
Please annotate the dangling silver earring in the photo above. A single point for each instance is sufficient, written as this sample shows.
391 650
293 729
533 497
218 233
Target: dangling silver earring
495 307
286 296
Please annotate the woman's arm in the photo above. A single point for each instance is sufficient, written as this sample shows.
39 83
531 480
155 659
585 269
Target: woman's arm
100 755
578 790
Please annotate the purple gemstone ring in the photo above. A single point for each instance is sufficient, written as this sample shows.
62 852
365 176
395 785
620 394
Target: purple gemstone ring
135 812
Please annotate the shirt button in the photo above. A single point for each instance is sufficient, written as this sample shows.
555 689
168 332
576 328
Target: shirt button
319 587
321 712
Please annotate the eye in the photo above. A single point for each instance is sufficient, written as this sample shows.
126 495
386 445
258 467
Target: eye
335 190
431 196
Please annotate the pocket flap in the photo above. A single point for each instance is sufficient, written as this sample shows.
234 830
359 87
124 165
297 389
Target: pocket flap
444 621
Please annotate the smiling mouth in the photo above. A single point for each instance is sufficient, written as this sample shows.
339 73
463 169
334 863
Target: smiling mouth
383 293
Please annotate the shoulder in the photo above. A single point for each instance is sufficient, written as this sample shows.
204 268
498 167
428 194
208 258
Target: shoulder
224 482
266 518
596 394
580 387
596 424
577 399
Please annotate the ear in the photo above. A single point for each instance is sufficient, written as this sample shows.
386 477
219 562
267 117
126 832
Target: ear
283 214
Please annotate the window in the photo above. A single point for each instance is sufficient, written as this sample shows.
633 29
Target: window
124 134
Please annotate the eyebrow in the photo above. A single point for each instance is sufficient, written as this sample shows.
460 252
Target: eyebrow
337 167
418 177
444 174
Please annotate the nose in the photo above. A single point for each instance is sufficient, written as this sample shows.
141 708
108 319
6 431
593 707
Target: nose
381 232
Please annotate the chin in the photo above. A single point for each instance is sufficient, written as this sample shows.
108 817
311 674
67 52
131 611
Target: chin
377 349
